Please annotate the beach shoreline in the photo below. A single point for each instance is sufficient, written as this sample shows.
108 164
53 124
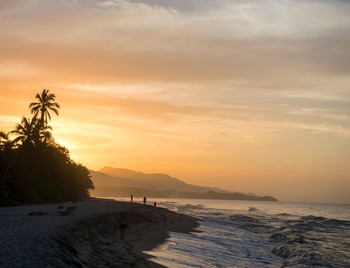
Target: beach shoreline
89 237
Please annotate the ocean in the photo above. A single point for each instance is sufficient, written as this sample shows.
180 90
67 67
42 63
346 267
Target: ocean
258 234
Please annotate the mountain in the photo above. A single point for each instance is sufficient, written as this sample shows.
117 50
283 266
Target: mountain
123 182
130 178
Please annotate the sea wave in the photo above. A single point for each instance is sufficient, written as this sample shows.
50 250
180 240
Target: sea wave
190 207
312 241
254 234
303 241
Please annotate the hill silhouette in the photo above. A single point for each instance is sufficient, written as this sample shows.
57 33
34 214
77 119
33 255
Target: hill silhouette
122 182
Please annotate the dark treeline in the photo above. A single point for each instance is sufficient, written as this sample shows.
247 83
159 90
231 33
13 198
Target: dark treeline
33 167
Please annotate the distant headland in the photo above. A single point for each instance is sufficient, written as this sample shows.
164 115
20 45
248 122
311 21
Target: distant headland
123 182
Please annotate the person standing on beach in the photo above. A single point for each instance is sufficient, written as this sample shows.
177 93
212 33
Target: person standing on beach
131 198
144 200
123 224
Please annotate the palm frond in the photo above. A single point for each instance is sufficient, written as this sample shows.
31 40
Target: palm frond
44 106
17 139
55 111
3 135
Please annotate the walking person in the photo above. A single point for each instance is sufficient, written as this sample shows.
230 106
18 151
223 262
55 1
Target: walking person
123 224
144 200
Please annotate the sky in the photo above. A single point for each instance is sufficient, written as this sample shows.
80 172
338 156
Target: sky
248 96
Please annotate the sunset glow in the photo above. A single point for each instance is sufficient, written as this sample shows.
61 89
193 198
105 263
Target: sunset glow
248 96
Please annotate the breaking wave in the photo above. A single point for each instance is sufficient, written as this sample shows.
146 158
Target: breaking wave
256 237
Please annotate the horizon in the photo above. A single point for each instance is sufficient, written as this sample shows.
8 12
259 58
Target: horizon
166 174
241 95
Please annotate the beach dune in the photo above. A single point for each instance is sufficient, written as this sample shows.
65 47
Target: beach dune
89 237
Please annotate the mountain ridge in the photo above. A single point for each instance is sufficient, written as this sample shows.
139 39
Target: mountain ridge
110 181
156 180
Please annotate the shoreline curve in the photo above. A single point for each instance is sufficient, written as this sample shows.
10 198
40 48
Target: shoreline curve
87 238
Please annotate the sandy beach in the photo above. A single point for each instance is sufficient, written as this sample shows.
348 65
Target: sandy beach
89 237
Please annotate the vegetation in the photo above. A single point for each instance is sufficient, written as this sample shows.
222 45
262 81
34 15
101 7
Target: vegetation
35 169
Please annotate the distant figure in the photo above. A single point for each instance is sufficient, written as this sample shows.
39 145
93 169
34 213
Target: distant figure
131 198
155 204
123 224
144 200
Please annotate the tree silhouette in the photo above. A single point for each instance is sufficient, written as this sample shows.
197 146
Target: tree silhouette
46 103
30 132
3 139
2 135
25 131
5 142
35 169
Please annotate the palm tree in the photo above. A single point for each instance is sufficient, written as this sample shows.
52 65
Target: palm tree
46 136
5 147
27 132
46 103
5 142
3 137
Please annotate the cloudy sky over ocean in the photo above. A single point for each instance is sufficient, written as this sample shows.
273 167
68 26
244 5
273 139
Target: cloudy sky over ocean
250 96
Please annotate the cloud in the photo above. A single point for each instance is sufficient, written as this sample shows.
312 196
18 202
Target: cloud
149 41
15 69
211 82
131 106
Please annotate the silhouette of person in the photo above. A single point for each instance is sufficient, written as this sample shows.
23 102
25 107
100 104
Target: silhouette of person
123 224
144 200
131 198
155 204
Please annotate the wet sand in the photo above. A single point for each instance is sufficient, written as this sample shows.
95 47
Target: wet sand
89 237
